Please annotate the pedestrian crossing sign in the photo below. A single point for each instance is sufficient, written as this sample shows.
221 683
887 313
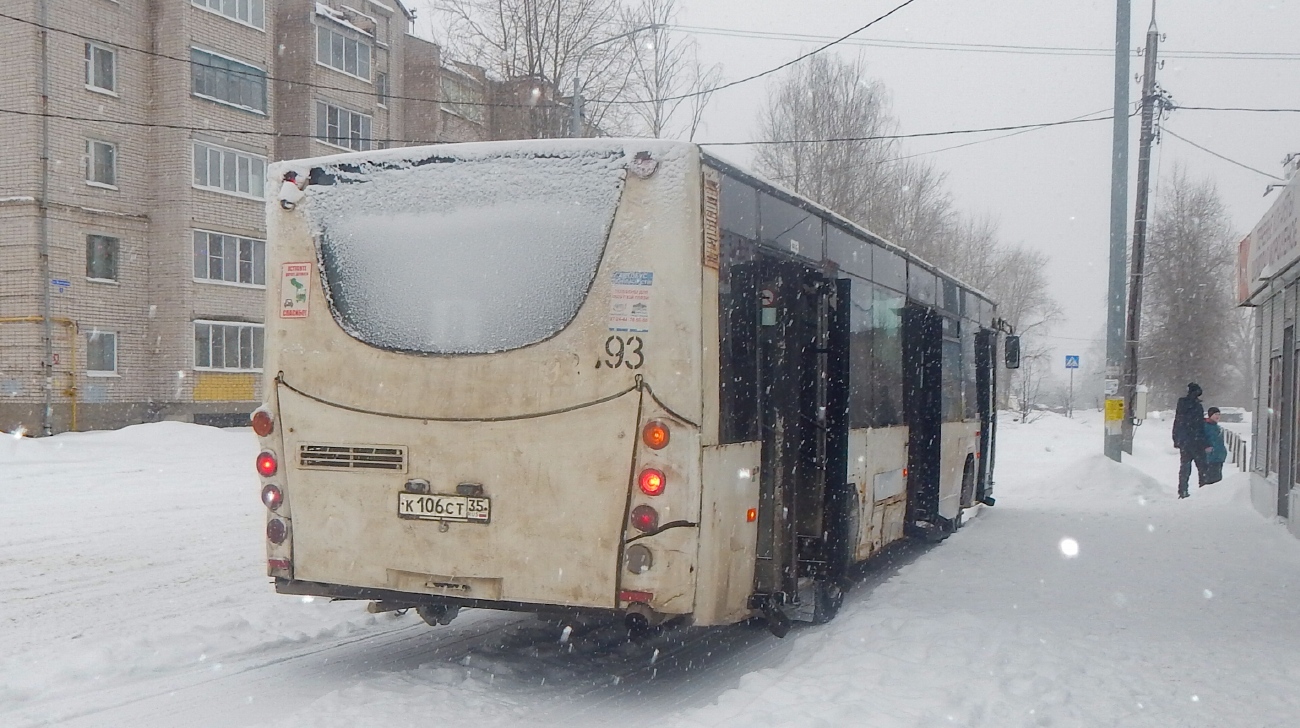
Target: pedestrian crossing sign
1071 361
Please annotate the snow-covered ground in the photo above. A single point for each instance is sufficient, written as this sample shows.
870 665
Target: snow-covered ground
131 594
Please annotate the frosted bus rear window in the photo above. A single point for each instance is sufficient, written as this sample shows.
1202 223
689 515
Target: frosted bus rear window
464 256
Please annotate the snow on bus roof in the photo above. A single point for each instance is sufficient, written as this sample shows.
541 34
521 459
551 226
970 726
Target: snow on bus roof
662 149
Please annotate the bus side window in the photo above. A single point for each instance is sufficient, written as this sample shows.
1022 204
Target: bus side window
738 348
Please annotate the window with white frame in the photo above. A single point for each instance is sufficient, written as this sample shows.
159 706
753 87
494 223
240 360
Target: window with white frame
342 52
101 68
101 257
342 127
101 352
226 170
228 346
248 12
228 81
101 163
381 88
229 258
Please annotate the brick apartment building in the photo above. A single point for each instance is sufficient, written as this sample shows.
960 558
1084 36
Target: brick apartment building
140 237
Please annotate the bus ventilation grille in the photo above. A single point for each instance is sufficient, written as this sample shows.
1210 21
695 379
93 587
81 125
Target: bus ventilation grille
352 457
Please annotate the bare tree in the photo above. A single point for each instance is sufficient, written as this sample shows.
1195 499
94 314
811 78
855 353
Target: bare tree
1189 319
856 172
915 211
543 41
826 97
666 74
1028 382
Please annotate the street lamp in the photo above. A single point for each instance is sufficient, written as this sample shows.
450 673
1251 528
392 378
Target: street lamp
575 123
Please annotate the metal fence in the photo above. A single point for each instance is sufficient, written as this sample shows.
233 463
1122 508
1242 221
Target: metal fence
1238 449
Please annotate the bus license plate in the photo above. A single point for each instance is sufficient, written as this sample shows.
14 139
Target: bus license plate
461 508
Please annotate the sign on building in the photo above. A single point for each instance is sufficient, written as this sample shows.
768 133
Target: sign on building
1273 244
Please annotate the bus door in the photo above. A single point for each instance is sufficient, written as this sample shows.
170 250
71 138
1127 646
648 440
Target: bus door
923 409
986 356
801 388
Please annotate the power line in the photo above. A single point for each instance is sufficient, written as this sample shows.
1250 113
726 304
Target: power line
917 135
1213 153
770 71
980 47
210 130
1180 107
835 170
1080 117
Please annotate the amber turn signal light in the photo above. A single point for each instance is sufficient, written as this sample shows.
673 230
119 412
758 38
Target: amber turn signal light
655 435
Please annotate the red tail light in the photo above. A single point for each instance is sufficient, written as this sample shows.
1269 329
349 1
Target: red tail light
276 531
272 496
645 518
266 464
282 564
263 423
655 435
652 481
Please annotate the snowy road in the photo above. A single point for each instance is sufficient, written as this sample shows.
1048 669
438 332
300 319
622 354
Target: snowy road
131 594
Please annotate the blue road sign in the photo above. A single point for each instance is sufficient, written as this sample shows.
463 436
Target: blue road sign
1071 361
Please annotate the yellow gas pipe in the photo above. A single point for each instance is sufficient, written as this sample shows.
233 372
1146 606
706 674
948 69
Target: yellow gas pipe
74 330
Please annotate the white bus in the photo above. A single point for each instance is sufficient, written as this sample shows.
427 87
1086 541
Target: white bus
618 376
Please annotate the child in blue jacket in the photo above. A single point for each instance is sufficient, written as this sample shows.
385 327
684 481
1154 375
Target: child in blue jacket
1215 451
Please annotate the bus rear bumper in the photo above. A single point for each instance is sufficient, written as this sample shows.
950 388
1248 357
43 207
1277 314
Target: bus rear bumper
399 599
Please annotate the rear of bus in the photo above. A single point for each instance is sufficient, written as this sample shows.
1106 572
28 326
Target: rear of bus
483 379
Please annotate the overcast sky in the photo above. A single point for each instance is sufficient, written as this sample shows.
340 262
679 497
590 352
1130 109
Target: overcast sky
1050 188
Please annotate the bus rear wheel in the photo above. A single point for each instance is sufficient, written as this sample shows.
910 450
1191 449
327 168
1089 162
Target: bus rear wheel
828 597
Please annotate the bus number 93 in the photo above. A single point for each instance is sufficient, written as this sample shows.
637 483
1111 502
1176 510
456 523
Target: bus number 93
623 352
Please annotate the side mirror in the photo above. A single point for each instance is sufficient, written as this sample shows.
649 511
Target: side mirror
1012 357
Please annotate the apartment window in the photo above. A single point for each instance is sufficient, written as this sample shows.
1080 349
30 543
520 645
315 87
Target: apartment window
101 163
101 257
342 52
101 353
226 170
248 12
228 346
381 87
342 127
229 258
227 81
101 68
463 98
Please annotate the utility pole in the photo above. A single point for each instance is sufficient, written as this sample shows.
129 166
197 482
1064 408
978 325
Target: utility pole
1150 100
1118 237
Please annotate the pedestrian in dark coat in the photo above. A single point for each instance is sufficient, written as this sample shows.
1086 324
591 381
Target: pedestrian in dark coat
1189 437
1216 453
